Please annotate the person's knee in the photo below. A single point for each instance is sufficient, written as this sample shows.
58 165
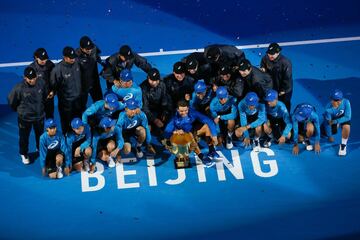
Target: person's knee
141 133
110 146
127 148
59 159
231 124
267 129
88 152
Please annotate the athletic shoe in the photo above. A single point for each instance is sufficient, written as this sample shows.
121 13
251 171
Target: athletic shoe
86 166
256 146
309 147
59 172
213 155
208 163
25 159
139 153
229 144
342 150
267 142
111 162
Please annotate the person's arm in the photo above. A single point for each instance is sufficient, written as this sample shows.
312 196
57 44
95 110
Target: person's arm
87 142
206 120
287 120
170 127
145 124
94 108
347 113
243 120
70 138
287 81
95 141
263 64
142 63
119 137
230 116
316 122
64 149
295 129
213 110
108 73
43 151
14 98
261 117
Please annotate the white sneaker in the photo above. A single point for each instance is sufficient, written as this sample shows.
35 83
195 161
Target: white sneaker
139 153
309 147
256 146
229 143
25 159
59 172
342 150
86 166
111 162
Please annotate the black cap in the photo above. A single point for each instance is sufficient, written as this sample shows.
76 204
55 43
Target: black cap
41 53
85 42
126 52
179 68
154 74
244 65
224 69
30 73
273 48
69 52
191 63
212 53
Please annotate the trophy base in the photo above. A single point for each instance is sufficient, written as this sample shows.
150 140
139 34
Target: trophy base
182 163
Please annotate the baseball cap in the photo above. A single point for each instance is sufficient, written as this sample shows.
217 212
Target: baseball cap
303 112
85 42
200 87
76 123
222 92
126 52
41 53
179 68
107 122
49 123
244 65
69 52
273 48
126 75
212 53
191 63
251 99
337 95
131 103
224 69
30 73
271 95
154 74
112 100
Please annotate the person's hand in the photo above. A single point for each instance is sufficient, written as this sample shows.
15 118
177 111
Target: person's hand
216 120
50 95
43 171
187 97
180 132
246 142
151 149
295 150
77 152
92 168
240 131
263 69
281 93
67 171
331 139
317 148
158 123
114 152
281 140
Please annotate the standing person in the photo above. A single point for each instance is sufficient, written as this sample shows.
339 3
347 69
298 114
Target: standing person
66 77
124 59
52 152
223 55
43 67
27 99
305 125
157 102
89 56
280 69
255 80
338 114
198 67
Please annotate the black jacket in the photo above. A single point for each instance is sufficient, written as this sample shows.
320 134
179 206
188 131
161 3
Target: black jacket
280 71
28 101
113 66
43 73
178 89
204 70
229 55
156 100
67 81
89 68
235 85
258 82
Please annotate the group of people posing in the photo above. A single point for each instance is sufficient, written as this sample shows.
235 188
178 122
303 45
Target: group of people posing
216 95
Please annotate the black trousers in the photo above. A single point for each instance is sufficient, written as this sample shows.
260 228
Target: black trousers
286 99
49 108
24 133
69 110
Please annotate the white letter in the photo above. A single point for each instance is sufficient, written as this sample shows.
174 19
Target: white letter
151 171
200 170
180 179
256 163
235 169
85 183
120 175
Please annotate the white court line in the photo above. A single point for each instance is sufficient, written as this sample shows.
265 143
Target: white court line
175 52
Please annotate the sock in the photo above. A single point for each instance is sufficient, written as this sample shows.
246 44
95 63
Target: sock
256 138
344 141
230 134
211 148
138 144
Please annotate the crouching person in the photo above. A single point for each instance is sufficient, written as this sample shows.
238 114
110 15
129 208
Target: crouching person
78 143
52 152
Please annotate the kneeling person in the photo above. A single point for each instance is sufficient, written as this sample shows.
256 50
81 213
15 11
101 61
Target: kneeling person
52 152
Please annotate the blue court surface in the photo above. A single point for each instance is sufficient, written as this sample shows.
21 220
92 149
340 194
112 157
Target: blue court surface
248 195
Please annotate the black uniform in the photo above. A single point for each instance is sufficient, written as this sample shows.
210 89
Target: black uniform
43 74
280 71
229 55
157 102
90 74
204 70
258 82
114 65
235 85
67 81
28 101
178 89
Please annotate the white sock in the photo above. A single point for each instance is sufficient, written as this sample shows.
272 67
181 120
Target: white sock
230 134
256 138
270 135
138 144
344 141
